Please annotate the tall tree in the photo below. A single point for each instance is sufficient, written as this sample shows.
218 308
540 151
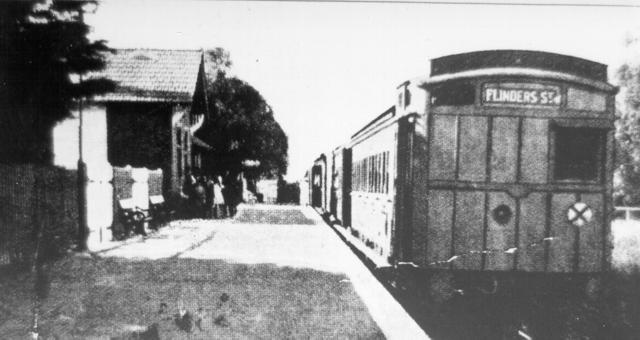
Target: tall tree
44 43
242 128
628 130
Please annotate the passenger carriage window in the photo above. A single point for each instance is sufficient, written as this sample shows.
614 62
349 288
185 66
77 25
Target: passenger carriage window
374 167
356 180
378 173
453 94
375 174
371 174
579 153
386 169
384 172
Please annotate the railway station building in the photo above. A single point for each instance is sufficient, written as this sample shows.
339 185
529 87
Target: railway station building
146 123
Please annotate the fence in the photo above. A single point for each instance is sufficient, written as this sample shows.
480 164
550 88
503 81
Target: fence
627 213
30 196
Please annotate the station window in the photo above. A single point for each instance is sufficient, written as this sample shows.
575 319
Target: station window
404 98
407 97
453 94
579 153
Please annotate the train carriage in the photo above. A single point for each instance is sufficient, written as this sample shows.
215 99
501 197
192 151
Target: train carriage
491 176
497 162
373 191
514 170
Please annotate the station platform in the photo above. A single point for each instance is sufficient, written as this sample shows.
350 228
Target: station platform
286 236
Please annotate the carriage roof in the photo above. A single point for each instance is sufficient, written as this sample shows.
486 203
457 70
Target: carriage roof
518 63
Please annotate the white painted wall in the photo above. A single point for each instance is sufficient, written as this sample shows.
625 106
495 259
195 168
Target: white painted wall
99 191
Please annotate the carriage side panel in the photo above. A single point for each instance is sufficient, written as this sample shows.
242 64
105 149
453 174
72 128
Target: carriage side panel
373 191
440 216
468 230
402 236
442 155
590 236
346 187
561 243
504 151
534 159
531 247
500 236
420 199
473 148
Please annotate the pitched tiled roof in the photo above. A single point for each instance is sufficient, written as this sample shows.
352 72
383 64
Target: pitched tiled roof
149 75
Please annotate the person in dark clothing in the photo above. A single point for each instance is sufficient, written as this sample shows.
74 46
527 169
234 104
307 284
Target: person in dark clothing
188 192
232 193
200 198
210 183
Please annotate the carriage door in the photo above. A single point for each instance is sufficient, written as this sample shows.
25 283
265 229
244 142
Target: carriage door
346 187
316 186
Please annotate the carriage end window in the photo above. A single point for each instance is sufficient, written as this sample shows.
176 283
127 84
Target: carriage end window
453 94
579 153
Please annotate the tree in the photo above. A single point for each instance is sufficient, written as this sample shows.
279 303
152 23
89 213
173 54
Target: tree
242 128
627 190
44 44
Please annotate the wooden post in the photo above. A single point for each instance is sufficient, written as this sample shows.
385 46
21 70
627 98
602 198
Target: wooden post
82 180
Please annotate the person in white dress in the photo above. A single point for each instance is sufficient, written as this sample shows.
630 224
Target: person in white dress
218 199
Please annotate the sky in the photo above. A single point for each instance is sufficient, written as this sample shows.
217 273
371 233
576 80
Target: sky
328 68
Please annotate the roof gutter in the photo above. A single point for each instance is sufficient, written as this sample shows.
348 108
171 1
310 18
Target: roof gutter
519 72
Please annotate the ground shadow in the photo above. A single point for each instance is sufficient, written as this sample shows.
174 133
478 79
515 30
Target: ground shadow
110 297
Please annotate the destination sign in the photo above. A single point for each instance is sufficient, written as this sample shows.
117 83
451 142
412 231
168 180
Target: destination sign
521 94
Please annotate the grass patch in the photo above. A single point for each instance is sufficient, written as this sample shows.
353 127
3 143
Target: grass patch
98 298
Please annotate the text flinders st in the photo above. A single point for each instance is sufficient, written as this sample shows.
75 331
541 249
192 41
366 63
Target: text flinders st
521 96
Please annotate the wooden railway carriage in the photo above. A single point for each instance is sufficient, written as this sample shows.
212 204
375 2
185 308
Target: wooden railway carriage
374 151
514 168
498 161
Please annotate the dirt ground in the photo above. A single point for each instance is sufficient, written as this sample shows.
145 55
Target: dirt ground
91 298
270 273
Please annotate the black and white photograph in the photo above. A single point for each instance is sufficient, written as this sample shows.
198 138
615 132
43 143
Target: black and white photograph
320 169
